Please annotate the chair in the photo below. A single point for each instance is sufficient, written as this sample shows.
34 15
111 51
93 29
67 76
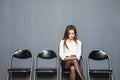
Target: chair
20 63
99 65
66 72
46 62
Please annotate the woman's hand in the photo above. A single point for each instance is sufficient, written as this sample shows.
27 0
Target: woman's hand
70 57
67 58
73 57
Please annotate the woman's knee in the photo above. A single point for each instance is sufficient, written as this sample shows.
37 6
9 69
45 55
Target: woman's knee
72 68
74 62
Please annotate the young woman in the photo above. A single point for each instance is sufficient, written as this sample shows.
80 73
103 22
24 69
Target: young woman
70 52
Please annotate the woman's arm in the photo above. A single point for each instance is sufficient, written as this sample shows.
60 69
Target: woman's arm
61 51
68 58
79 49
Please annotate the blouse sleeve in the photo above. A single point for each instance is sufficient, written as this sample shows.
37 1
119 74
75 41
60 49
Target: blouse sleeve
79 49
61 51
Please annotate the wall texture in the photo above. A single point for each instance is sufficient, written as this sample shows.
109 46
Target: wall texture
39 24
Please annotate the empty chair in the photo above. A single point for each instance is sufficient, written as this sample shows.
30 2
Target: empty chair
99 66
20 65
64 72
46 62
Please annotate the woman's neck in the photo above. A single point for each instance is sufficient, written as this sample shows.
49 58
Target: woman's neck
70 40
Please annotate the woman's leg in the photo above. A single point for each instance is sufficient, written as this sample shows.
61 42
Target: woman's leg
68 64
72 73
78 69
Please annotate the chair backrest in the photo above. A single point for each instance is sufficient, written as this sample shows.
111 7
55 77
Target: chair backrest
47 54
98 55
46 59
21 59
23 54
98 59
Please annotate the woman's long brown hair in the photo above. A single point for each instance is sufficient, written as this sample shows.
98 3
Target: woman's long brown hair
66 34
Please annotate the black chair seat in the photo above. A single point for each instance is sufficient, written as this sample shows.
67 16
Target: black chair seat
45 70
19 70
65 71
100 71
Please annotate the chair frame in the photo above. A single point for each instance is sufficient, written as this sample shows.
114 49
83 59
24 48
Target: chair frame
47 71
109 67
9 75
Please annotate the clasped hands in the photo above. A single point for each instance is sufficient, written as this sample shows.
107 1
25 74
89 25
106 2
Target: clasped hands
70 57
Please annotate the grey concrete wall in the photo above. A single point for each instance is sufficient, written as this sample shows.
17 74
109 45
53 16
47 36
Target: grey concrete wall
39 24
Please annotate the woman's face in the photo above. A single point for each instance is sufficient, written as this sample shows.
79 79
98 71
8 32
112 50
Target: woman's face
71 34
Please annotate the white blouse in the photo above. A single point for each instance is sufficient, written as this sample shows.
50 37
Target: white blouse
74 49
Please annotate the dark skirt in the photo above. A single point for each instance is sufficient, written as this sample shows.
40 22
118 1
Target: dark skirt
63 64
